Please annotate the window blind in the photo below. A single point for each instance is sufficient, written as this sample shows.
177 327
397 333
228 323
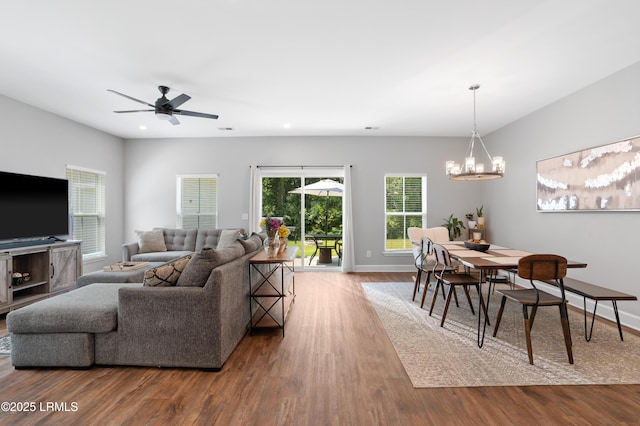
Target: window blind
197 205
87 209
405 206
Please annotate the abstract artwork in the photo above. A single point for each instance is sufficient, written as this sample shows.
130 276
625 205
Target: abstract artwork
601 178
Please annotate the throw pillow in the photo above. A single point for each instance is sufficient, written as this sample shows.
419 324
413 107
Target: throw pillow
166 275
197 271
151 241
252 243
227 237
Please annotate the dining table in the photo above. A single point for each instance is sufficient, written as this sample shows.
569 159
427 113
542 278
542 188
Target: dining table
488 263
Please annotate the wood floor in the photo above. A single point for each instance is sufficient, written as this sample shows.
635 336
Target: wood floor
335 366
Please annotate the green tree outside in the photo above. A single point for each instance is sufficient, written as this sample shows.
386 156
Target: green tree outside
278 202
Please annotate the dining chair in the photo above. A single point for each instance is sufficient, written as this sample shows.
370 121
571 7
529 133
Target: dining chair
422 240
538 267
452 279
421 253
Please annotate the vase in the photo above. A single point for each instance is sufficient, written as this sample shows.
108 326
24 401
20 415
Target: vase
283 245
271 244
481 222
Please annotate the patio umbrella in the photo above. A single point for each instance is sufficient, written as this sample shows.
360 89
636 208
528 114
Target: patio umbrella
322 188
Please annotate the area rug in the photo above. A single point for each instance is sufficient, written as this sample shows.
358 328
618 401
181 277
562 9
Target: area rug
5 345
449 356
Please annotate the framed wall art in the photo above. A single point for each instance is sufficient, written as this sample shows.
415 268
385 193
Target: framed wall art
605 178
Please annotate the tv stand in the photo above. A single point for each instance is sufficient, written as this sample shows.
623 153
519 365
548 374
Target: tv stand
51 268
23 243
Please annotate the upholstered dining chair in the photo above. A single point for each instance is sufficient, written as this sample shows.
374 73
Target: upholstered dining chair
453 280
539 267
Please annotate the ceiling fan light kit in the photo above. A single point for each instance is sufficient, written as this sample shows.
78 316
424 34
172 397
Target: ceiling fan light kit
164 108
470 170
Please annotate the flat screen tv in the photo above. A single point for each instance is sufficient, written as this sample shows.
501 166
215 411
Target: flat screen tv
33 207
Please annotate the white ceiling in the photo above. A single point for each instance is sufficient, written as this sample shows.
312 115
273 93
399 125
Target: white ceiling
330 67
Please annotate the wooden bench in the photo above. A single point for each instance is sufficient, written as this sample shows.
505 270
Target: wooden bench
596 293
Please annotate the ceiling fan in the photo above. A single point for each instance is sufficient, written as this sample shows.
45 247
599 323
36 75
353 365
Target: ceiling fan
164 108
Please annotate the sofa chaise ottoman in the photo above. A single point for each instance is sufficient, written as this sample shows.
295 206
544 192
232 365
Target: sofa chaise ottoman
60 331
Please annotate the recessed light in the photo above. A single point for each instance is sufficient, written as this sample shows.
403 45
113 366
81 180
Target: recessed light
287 126
142 127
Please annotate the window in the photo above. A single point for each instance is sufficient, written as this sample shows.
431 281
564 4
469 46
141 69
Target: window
405 206
87 209
197 198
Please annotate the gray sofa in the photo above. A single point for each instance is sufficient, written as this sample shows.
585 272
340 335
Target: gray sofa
164 244
194 324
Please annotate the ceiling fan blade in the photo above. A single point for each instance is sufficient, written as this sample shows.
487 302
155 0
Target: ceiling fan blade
129 97
195 114
173 120
137 110
178 100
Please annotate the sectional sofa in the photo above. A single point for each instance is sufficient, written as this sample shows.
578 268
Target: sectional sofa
195 322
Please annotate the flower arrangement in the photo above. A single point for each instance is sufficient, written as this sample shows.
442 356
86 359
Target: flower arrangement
283 231
274 225
274 228
270 224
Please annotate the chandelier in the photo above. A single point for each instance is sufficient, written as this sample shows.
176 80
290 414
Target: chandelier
470 170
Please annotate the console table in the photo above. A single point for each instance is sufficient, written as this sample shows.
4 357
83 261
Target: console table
272 288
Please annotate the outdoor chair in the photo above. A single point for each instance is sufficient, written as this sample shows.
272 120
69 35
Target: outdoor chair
538 267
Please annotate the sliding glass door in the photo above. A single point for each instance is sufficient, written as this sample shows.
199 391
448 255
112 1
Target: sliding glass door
309 202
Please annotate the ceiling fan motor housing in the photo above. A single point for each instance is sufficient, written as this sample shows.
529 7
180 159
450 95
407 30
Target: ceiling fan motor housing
163 107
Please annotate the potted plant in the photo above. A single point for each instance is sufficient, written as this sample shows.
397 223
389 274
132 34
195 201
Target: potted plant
470 222
480 216
455 227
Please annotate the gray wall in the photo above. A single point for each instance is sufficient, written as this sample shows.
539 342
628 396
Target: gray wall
602 113
141 177
608 241
152 166
40 143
